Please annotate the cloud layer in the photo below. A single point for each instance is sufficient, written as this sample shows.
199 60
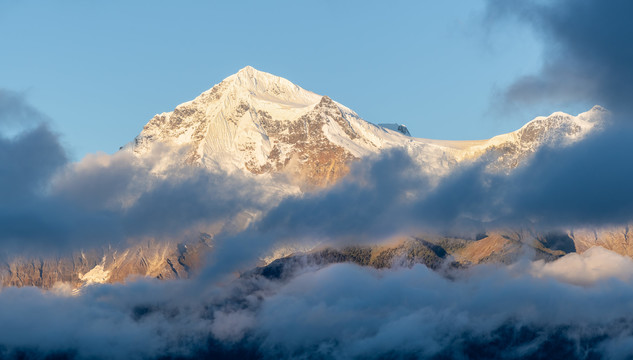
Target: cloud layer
340 311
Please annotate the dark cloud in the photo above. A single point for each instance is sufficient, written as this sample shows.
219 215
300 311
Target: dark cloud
371 204
587 51
28 161
117 202
201 198
49 204
582 185
31 156
365 205
585 184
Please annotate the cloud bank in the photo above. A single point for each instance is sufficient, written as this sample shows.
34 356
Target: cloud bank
340 311
582 185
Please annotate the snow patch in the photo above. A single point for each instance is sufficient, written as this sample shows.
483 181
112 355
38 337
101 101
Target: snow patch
97 275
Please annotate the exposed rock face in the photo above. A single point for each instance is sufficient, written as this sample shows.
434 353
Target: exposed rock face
318 161
433 251
152 259
493 248
506 247
617 238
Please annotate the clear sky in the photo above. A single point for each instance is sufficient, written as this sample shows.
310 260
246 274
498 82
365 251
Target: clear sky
100 71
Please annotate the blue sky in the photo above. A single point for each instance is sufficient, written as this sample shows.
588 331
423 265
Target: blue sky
100 71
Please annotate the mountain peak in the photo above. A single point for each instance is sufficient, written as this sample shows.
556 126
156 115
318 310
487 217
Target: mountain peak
247 68
250 72
252 77
261 85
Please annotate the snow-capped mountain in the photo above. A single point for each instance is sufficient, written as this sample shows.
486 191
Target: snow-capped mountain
261 123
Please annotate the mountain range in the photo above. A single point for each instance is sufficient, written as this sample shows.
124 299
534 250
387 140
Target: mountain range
263 124
266 128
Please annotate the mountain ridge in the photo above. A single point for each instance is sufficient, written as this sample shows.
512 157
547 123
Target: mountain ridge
261 123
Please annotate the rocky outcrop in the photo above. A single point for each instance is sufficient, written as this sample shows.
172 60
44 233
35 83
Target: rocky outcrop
614 238
435 252
310 156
